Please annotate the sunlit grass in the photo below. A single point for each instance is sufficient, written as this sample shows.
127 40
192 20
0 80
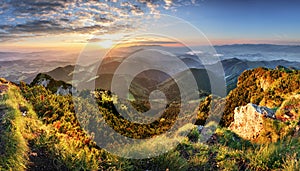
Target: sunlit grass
50 124
12 124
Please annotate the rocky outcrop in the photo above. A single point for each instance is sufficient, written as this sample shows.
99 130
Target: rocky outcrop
44 82
65 91
249 121
261 86
58 87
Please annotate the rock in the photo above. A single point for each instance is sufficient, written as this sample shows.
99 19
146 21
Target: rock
65 91
269 113
62 91
55 86
23 110
200 128
249 120
44 82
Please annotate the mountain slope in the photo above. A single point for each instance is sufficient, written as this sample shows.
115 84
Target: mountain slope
264 87
49 136
19 131
234 67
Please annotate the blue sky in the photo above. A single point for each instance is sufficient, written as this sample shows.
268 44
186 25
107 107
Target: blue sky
47 23
261 20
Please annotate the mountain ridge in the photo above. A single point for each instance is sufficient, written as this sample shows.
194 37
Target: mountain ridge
232 67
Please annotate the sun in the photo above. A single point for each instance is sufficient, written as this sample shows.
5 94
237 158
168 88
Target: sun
106 44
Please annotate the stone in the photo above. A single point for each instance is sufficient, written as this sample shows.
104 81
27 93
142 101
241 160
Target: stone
249 119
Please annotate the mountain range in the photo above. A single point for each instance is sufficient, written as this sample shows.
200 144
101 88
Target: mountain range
234 58
232 69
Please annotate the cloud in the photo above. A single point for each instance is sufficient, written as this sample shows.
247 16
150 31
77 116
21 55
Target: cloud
60 16
95 40
194 52
156 42
22 18
168 4
173 4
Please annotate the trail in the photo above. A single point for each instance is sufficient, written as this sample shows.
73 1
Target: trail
40 159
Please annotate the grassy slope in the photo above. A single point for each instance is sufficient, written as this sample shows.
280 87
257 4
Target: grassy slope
56 133
21 134
261 86
225 150
14 133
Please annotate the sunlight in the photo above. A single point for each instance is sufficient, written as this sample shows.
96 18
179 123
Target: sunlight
106 44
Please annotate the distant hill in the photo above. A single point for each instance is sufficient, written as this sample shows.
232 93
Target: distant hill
62 73
18 67
24 69
260 47
201 77
233 68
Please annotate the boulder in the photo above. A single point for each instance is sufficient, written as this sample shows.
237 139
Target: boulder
249 120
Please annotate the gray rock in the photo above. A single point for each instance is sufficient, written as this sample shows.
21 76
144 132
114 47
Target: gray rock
268 113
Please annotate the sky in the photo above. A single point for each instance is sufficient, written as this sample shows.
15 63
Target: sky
70 24
242 21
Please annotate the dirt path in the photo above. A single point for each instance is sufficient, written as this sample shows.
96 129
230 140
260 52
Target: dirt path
41 160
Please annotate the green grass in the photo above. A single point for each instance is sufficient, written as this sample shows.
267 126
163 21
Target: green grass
227 151
21 133
275 155
14 153
51 125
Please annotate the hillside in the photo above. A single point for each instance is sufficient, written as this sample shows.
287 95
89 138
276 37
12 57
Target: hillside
271 88
41 127
235 67
22 135
261 86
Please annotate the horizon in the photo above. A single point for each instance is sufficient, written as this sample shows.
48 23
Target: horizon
69 56
35 49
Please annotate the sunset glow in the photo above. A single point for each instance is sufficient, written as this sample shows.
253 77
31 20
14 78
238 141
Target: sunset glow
110 21
106 44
